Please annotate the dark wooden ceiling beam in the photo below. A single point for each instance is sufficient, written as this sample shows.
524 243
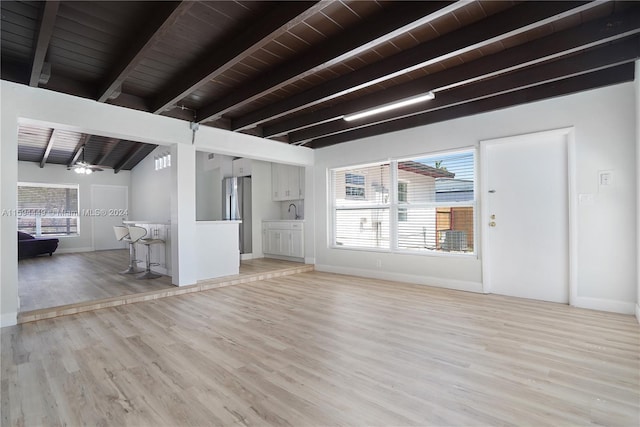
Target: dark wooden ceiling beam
610 76
107 152
612 55
498 27
397 19
219 59
47 150
127 158
84 139
71 86
45 30
165 16
553 46
15 71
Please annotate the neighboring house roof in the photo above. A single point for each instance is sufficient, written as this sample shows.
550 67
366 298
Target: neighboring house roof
422 169
446 185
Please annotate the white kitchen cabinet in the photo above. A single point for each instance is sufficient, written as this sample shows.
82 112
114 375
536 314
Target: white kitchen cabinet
273 242
287 182
297 244
241 167
283 238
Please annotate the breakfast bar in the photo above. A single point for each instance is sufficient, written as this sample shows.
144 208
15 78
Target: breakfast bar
217 247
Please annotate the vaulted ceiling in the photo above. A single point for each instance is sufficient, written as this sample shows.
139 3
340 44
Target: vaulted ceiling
290 71
46 145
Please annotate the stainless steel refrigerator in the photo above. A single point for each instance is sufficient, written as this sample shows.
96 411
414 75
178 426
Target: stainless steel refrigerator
236 204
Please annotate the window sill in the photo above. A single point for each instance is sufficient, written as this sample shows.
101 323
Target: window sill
470 255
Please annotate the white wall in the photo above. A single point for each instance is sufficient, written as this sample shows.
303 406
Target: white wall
261 204
310 214
208 189
150 190
637 84
604 121
42 107
58 174
8 223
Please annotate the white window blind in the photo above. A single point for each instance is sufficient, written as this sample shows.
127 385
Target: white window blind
362 206
440 205
47 209
428 202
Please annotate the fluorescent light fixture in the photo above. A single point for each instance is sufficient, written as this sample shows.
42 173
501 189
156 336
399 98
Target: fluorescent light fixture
391 106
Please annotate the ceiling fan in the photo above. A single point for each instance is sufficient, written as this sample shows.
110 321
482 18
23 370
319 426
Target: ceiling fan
83 167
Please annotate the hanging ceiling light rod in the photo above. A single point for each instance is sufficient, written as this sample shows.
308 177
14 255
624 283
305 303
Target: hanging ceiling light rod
390 106
83 167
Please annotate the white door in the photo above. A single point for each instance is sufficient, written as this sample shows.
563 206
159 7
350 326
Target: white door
526 216
109 207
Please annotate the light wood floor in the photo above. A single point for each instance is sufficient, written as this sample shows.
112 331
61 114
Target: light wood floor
77 277
64 279
323 349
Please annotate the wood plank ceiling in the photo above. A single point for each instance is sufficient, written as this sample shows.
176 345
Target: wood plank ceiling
62 147
290 71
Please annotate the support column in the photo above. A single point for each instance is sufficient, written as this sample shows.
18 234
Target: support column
183 215
637 117
8 220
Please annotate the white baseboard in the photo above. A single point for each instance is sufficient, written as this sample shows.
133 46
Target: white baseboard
602 304
437 282
309 260
73 250
638 312
246 256
8 319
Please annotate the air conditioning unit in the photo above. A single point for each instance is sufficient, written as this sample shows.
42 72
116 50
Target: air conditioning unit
455 240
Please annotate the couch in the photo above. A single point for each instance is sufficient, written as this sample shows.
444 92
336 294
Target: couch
29 246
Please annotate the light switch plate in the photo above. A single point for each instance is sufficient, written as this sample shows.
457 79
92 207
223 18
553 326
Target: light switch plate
605 178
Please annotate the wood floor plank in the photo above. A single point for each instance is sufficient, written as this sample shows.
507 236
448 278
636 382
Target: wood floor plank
77 277
74 283
72 278
324 349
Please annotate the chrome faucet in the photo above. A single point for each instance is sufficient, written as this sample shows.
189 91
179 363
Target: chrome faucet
295 210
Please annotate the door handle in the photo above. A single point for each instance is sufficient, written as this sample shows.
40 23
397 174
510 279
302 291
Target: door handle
492 224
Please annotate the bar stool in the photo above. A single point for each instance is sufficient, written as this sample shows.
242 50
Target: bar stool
122 235
138 234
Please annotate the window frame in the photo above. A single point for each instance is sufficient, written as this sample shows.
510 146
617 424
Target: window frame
39 217
395 206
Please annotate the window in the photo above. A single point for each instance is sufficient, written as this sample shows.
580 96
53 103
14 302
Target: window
48 209
402 198
354 186
434 204
363 212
